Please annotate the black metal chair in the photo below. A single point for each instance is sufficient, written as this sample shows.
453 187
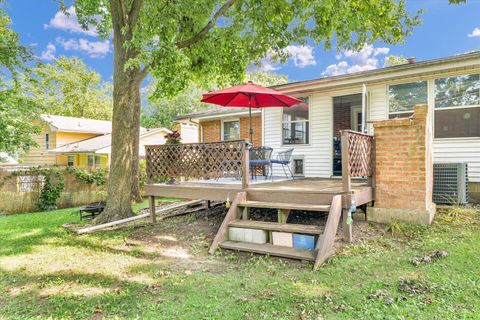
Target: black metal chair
260 158
284 158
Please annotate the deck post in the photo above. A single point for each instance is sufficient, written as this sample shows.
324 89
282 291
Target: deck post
347 187
283 215
151 205
245 167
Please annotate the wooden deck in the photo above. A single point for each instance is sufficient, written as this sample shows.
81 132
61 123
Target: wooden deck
299 191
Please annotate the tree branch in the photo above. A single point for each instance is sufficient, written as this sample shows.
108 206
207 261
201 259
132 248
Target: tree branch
134 13
197 37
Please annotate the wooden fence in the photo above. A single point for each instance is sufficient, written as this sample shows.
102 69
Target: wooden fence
212 160
357 156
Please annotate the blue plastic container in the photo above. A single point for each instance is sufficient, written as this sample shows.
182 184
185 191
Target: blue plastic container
303 241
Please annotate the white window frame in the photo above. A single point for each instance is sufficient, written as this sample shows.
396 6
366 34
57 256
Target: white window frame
222 129
72 156
400 83
298 157
434 108
307 121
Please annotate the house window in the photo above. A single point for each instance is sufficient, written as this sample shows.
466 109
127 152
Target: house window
402 98
457 106
298 167
47 141
70 160
98 161
295 124
90 160
231 130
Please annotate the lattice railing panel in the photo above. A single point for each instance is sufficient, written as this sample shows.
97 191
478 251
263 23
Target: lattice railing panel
359 146
211 160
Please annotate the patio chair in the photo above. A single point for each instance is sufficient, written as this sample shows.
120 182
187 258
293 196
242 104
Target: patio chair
283 158
260 158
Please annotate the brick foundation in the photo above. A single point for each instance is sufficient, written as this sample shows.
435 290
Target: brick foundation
404 169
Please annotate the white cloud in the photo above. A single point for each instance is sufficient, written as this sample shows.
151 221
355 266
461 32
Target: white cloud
49 53
367 58
94 49
69 22
475 33
302 56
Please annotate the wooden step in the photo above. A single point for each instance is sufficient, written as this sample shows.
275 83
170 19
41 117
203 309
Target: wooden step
274 226
288 206
278 251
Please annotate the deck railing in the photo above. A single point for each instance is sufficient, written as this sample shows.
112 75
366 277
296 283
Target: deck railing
211 160
357 156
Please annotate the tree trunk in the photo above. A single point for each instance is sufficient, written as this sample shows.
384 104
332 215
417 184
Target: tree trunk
126 106
136 195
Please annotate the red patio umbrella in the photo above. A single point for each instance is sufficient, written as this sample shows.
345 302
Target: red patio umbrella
249 95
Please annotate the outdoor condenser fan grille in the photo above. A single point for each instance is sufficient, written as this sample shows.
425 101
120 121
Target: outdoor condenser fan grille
450 183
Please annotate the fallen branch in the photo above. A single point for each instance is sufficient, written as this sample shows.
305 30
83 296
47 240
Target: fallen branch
141 216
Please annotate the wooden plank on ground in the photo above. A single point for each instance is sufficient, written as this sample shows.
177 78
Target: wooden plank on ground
138 217
280 227
267 248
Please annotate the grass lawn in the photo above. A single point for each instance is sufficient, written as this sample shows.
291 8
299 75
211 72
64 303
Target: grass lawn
162 271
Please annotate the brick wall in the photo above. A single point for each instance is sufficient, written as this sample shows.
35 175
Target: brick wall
404 169
257 129
211 130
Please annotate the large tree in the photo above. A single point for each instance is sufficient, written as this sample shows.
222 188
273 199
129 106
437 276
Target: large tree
213 41
68 87
16 111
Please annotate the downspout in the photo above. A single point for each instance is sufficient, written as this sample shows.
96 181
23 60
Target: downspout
364 106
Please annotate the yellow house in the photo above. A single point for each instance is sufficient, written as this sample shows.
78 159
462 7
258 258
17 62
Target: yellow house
80 142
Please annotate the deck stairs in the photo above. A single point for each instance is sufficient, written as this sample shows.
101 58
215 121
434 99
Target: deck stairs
238 217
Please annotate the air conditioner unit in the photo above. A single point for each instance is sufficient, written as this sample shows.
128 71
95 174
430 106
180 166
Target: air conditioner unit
450 183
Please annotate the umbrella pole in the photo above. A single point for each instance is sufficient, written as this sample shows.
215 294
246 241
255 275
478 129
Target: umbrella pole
250 118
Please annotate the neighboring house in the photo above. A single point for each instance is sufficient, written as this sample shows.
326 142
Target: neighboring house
80 142
449 86
225 123
95 152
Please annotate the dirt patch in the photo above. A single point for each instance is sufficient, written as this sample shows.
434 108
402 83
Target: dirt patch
414 286
185 239
429 258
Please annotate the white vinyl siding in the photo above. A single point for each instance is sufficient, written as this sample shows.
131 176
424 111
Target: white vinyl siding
318 153
459 150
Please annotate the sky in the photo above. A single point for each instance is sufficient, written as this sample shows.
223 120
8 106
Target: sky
446 30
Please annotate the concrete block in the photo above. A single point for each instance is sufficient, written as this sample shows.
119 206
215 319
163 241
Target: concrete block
284 239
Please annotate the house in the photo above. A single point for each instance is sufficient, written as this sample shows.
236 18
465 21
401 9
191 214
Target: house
95 152
80 142
449 86
223 124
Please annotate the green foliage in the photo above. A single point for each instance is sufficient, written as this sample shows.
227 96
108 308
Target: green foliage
213 42
160 111
53 185
266 79
392 60
16 111
68 87
98 176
